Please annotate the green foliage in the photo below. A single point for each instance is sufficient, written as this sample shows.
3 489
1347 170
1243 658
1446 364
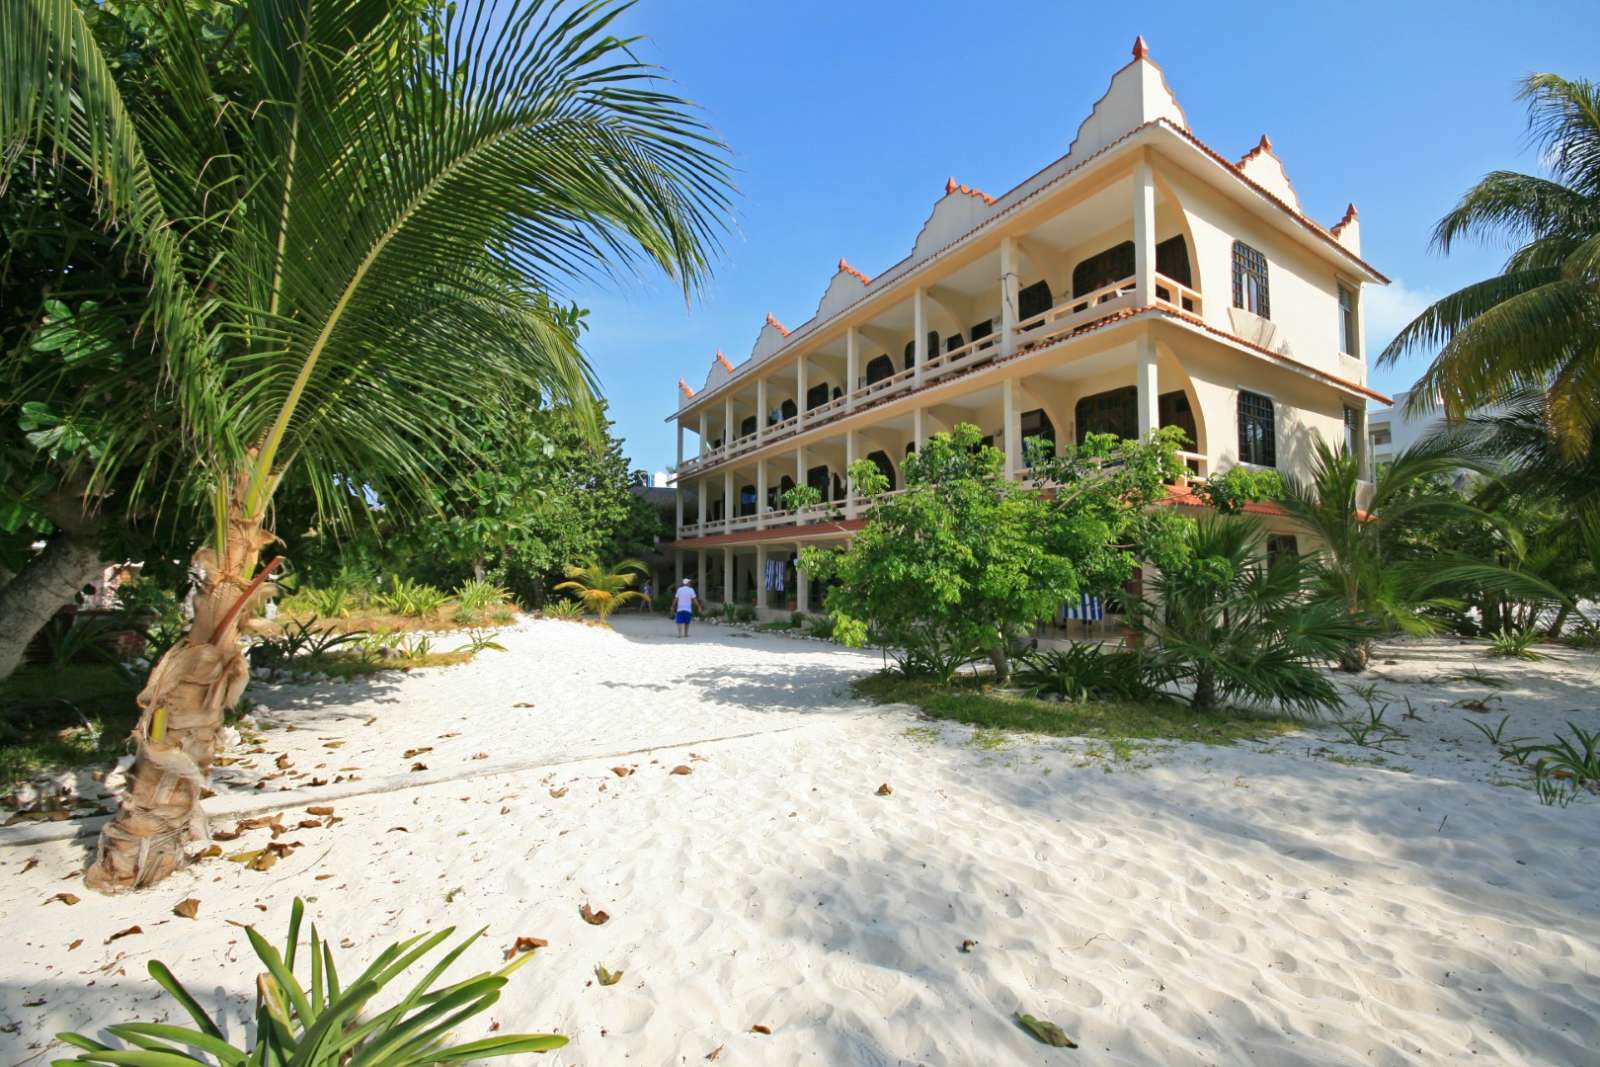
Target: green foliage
1576 759
300 640
480 595
1084 671
1537 322
1237 486
1515 644
416 599
820 626
563 608
801 496
969 701
744 613
1238 630
55 717
951 568
602 590
326 1023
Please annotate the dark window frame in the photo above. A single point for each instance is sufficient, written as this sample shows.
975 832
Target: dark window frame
1258 433
1252 290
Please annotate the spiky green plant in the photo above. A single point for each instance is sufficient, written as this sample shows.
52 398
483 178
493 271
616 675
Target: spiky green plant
564 609
321 1025
416 599
1515 644
602 590
480 594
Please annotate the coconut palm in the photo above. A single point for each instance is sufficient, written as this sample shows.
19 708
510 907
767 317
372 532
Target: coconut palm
1537 323
602 590
1352 567
1238 629
347 244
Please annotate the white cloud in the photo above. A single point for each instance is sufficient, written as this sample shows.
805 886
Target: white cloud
1391 308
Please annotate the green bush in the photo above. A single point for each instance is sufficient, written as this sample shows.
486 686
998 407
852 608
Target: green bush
562 609
323 1024
416 599
1515 644
820 626
1083 671
479 594
744 613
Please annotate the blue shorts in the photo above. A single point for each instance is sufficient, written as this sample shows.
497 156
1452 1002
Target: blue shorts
683 617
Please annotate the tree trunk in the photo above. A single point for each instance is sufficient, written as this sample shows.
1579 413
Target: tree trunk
1559 623
182 709
1354 659
1205 690
47 583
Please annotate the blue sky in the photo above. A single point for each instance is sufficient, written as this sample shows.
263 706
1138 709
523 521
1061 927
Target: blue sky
846 119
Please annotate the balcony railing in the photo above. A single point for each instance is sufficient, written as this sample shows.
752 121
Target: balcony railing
1058 321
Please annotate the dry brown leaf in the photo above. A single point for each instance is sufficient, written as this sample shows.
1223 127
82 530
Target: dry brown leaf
968 945
308 824
263 860
410 752
592 917
129 932
526 944
319 809
681 769
523 704
211 853
333 744
318 781
419 766
715 1053
505 810
33 861
186 909
282 762
224 835
759 1029
65 898
884 790
622 772
452 733
559 793
480 755
76 942
398 830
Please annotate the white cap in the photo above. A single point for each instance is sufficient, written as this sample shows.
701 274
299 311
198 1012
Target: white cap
686 581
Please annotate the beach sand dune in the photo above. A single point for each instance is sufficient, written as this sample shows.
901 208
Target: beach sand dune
1258 904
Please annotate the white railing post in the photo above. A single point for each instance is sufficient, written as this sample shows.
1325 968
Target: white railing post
919 338
852 365
728 507
849 485
761 493
1144 234
701 515
761 408
1008 296
727 423
1013 427
800 394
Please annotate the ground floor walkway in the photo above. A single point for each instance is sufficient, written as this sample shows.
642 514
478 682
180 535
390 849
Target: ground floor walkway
1262 903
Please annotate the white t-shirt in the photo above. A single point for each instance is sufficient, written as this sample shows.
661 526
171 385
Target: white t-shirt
683 599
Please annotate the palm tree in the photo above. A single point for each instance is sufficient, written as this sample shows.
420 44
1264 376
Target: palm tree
1353 565
603 590
347 243
1537 323
1238 628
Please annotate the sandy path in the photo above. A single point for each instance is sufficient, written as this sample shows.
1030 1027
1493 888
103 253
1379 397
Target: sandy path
1190 905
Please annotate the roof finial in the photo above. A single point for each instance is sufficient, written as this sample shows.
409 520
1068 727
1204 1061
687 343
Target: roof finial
1265 145
951 186
1140 49
722 359
857 275
683 387
781 328
1349 217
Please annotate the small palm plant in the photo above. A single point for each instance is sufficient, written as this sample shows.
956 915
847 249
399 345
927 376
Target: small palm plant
601 589
322 1026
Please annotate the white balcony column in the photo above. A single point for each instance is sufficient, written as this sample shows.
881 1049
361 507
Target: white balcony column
849 486
1009 288
919 338
678 501
761 493
802 583
1144 234
852 366
1013 427
727 420
1148 385
761 576
705 419
800 393
728 506
700 487
919 432
800 466
680 446
727 575
761 408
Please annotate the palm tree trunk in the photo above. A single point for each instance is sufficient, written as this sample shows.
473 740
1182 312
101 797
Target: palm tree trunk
182 708
46 584
1556 625
1205 690
52 579
1355 658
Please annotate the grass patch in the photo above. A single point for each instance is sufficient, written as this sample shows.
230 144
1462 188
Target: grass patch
972 702
1368 761
374 620
59 717
922 735
342 664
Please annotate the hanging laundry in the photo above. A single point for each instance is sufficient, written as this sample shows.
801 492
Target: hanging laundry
1088 609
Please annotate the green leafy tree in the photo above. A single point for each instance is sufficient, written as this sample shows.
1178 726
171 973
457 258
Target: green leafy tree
1536 324
341 248
965 558
601 589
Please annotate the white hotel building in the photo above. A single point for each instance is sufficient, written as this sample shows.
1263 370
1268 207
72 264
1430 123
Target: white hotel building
1143 279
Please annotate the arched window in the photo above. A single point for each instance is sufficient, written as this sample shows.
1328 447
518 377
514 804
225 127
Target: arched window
747 427
1257 435
880 368
1250 280
747 500
1034 300
881 460
787 410
910 355
1103 268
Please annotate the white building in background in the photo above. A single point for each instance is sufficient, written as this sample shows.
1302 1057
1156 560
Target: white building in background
1143 279
1390 430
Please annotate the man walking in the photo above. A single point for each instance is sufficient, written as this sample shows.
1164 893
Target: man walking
684 603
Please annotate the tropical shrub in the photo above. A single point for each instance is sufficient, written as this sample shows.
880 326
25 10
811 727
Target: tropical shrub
820 626
301 639
744 613
1515 644
1087 671
801 496
965 559
1235 629
415 599
563 609
334 602
603 590
479 594
325 1023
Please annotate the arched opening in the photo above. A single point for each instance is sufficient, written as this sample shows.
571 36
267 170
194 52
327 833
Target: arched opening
1034 300
881 460
747 500
880 368
787 410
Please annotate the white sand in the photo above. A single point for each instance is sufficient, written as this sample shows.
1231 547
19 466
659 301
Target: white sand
1190 905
